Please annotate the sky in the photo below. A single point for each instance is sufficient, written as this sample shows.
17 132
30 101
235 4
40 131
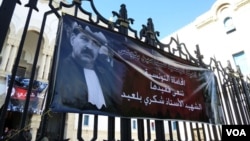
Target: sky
168 15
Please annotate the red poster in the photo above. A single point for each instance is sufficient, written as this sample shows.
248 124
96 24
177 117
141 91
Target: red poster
20 93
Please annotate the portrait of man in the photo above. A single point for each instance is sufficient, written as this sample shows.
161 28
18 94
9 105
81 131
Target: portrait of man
87 78
98 71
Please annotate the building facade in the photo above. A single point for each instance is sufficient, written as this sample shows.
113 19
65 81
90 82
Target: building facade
221 33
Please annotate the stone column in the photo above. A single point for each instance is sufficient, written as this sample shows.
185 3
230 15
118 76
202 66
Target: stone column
12 58
41 69
34 125
5 57
14 42
69 126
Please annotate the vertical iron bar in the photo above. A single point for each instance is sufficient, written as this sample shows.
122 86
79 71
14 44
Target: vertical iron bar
246 91
221 93
6 13
203 132
242 95
111 128
125 129
178 131
240 103
246 108
42 127
192 131
216 137
219 130
247 99
95 128
77 5
170 130
198 132
32 5
232 91
235 101
140 130
49 94
62 127
148 130
185 130
209 131
227 106
14 70
159 127
125 122
235 111
79 130
221 112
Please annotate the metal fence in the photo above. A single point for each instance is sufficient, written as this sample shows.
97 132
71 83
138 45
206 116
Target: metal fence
234 98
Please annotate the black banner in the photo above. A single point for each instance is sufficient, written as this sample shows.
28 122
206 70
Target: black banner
104 72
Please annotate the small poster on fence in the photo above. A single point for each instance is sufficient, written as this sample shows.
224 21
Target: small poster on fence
19 95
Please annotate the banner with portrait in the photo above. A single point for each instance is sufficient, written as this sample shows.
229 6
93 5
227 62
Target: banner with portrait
19 95
103 72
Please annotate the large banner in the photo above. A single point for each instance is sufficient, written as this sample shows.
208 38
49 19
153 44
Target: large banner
19 93
103 72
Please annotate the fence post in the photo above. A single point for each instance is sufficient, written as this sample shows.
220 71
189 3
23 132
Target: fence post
6 12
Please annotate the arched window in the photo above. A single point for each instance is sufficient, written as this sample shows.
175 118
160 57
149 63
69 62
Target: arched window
229 25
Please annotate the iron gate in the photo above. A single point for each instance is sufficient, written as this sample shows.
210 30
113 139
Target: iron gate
234 98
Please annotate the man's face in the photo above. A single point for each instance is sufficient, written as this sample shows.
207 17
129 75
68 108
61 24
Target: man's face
85 49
